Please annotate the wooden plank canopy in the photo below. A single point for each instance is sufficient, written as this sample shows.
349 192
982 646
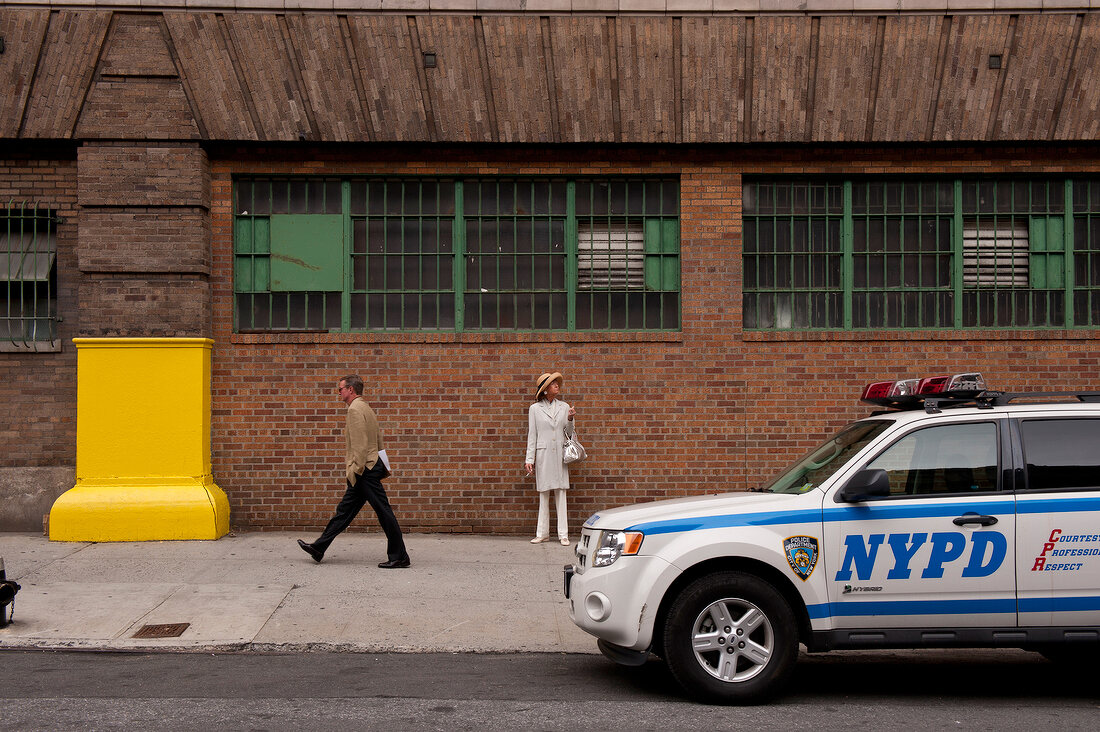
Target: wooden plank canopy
76 74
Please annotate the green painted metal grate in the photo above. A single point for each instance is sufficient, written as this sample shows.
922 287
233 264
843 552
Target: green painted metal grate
471 254
874 253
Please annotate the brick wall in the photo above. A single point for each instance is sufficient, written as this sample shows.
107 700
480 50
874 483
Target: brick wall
453 408
122 175
173 240
143 109
144 239
145 306
663 415
38 390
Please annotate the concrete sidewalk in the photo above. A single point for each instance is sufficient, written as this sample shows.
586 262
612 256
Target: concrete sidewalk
259 591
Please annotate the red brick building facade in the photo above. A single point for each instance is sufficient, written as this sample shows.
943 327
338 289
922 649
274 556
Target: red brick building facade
170 110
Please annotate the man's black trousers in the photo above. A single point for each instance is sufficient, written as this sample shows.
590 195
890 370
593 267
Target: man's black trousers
367 489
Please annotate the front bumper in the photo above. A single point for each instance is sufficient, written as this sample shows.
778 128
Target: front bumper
618 603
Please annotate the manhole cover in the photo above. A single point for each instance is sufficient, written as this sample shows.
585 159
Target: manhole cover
167 630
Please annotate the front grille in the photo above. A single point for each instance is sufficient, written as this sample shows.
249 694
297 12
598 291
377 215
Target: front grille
584 550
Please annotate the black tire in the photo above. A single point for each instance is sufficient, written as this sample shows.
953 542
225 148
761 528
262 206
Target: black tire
744 659
1072 656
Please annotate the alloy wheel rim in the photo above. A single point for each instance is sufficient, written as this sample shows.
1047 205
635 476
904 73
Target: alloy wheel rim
732 640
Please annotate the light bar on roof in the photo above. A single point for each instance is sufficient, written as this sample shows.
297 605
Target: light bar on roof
958 385
889 390
909 392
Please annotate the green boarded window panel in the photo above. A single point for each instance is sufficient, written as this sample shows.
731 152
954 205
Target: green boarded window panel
476 254
881 253
307 252
662 260
1047 257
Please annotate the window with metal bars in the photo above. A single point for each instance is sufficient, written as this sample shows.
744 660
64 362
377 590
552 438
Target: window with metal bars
28 270
410 254
1083 275
880 253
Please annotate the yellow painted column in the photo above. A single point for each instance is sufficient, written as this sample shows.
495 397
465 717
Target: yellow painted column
143 468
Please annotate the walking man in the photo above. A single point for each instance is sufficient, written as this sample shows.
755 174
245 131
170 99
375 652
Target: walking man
365 471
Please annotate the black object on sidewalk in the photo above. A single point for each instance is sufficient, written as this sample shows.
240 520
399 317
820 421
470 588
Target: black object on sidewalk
8 589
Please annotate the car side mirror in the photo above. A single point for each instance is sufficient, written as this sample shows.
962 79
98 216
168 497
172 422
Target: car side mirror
873 483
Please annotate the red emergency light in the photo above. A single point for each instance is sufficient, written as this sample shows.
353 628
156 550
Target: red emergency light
890 390
958 385
911 392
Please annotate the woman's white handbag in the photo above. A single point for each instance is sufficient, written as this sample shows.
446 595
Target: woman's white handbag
573 452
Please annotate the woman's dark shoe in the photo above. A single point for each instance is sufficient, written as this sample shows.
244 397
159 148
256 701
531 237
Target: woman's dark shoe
395 564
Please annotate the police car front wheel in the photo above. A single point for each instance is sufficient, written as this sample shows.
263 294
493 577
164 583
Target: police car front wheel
730 638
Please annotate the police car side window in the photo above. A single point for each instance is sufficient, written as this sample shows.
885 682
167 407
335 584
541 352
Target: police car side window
946 459
1061 453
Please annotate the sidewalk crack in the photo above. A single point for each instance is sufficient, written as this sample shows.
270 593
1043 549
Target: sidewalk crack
270 615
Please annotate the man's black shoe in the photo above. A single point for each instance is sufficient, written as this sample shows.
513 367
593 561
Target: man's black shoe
395 564
312 551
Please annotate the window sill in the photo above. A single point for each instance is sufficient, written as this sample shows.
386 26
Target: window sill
478 337
30 346
1068 334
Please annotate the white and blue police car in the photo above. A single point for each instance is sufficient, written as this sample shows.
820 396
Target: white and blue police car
955 517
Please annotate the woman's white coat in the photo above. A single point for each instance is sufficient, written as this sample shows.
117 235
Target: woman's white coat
547 425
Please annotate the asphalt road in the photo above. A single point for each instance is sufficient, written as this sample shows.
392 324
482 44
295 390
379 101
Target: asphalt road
875 690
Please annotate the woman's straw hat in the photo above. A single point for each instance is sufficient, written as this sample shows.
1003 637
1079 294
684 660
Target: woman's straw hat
545 380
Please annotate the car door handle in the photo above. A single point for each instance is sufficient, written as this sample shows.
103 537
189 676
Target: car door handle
973 518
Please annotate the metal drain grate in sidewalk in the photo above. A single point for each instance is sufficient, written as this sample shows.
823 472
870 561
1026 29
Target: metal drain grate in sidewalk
167 630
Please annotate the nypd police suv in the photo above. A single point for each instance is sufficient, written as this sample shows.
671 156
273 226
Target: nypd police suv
957 516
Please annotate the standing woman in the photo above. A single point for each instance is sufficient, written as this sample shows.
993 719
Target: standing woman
549 419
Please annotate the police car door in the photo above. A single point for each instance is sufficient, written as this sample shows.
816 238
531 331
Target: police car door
1058 519
937 551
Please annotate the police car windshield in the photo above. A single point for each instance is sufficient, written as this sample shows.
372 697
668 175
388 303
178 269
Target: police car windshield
818 464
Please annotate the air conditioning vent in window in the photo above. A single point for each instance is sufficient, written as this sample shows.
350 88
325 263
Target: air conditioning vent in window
995 253
610 257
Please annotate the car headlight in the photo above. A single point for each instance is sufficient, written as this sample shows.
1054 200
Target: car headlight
613 544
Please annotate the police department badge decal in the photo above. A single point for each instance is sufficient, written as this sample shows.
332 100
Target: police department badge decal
801 554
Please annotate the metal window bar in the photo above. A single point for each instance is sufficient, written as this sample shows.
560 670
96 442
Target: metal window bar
1084 237
927 253
794 273
498 254
516 254
1010 280
28 267
901 253
627 261
402 254
257 306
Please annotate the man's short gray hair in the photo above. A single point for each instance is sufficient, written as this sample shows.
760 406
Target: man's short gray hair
354 382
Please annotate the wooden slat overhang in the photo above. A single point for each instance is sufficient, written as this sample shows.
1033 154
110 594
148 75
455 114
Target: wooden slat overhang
91 74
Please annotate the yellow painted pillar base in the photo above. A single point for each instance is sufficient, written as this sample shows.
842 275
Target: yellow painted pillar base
143 469
90 512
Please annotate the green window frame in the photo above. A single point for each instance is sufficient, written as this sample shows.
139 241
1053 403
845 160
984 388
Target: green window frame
880 253
28 277
363 254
